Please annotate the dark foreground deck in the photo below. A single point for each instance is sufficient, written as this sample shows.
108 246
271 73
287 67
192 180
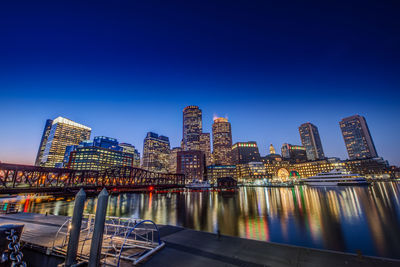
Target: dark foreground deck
186 247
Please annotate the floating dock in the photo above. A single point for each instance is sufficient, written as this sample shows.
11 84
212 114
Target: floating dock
185 247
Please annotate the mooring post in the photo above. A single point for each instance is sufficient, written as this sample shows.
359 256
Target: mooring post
99 221
76 223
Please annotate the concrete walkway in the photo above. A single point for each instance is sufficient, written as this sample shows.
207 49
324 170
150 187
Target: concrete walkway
186 247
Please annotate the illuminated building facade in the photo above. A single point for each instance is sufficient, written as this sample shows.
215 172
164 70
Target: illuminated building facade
106 142
294 154
370 168
205 146
63 133
173 159
312 168
98 158
43 142
156 151
222 141
245 152
192 128
220 171
311 140
357 137
272 149
251 172
131 149
275 169
192 164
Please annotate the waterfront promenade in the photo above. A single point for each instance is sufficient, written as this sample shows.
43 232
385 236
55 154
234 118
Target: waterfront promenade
185 247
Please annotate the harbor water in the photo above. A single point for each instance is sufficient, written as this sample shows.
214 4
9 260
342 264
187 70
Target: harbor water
351 219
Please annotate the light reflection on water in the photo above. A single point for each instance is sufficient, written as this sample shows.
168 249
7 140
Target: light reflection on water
338 218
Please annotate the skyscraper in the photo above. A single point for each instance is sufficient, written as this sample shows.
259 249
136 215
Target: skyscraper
222 141
156 152
192 128
357 137
245 152
205 146
310 139
43 142
63 133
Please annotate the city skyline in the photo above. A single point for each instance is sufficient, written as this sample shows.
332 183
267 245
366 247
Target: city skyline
269 67
263 150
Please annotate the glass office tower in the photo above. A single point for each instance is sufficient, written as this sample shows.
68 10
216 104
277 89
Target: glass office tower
192 127
222 142
43 142
357 137
63 133
156 151
310 139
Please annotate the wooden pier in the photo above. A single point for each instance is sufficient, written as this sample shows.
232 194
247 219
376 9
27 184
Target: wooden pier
186 247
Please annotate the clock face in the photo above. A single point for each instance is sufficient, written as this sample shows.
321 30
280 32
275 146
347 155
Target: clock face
283 174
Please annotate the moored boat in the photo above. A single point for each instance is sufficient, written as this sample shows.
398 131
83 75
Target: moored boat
196 184
336 177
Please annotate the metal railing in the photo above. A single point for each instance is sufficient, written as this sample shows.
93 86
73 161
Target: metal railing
124 239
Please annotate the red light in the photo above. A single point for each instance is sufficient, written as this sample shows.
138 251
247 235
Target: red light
151 188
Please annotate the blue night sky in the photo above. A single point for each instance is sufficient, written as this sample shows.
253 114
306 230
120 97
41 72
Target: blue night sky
127 67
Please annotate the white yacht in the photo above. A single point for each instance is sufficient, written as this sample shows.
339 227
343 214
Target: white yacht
336 177
196 184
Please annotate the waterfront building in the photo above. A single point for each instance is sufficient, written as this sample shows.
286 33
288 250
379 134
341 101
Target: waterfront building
129 148
192 164
311 140
245 152
357 137
192 128
156 151
63 133
214 172
277 170
251 172
173 159
370 168
312 168
97 158
294 153
205 146
222 141
43 142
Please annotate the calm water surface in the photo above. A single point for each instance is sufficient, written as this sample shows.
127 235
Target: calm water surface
337 218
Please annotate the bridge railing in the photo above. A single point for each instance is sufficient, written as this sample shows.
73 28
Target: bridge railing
25 176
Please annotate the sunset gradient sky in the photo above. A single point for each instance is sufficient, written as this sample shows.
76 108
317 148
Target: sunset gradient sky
127 67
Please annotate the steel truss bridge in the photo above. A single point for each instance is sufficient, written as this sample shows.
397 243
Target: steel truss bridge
16 178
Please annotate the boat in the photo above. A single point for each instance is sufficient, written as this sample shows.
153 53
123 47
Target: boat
196 184
336 177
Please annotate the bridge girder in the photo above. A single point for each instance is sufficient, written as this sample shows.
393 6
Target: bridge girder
14 176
